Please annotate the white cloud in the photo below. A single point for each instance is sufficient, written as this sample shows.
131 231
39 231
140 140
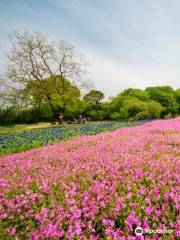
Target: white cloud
111 76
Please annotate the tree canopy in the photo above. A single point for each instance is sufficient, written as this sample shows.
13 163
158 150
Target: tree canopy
50 70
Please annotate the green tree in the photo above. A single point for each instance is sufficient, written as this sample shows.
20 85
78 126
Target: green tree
177 96
62 97
33 59
93 104
94 97
134 104
137 93
165 95
150 110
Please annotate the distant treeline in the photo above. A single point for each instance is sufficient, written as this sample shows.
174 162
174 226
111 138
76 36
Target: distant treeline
45 80
130 104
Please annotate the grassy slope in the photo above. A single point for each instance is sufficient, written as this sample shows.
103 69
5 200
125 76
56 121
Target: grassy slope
23 127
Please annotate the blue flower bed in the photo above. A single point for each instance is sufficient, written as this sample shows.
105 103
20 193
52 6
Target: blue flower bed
17 142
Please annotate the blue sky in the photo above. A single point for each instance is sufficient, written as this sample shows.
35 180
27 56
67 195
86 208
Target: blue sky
128 43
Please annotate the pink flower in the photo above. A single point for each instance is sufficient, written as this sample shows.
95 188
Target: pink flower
12 230
148 201
108 223
149 210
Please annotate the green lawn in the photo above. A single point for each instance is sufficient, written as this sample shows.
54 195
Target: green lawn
24 127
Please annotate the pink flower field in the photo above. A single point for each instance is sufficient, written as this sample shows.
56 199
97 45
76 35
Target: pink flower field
95 187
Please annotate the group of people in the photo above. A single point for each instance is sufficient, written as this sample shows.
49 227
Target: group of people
81 119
